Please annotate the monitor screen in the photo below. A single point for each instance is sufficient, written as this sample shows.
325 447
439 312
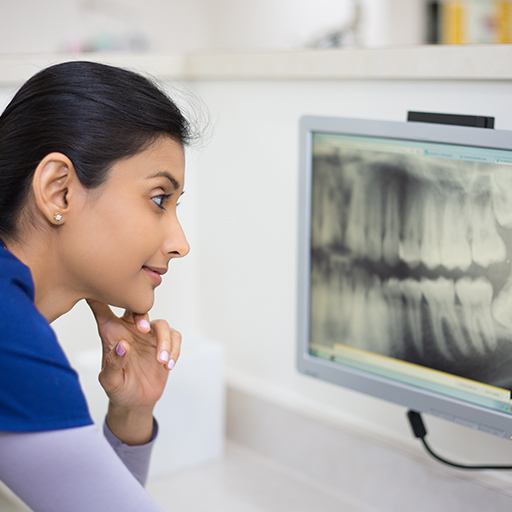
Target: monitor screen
409 265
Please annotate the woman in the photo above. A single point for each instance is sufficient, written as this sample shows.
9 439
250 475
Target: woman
91 168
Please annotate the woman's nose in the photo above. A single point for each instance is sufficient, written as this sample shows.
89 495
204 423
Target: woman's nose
185 247
178 242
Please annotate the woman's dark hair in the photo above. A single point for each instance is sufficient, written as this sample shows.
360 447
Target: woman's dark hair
94 113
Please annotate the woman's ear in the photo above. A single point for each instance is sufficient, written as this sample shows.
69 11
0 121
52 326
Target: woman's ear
51 186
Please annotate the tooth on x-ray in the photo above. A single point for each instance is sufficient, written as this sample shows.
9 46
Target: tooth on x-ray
502 305
377 321
430 252
345 308
327 200
392 291
440 297
487 246
373 231
339 308
318 302
475 297
501 181
358 318
355 234
411 291
455 249
323 232
410 243
391 241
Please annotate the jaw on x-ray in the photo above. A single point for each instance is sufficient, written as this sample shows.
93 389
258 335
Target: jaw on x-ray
411 258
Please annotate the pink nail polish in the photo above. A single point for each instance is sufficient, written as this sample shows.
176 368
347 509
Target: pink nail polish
171 364
120 350
164 355
144 324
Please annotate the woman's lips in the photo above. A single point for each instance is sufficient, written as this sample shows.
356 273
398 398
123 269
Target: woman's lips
154 276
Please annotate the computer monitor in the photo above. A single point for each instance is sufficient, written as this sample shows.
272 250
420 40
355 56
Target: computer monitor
405 265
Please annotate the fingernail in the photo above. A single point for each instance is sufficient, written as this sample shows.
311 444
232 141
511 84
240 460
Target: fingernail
164 355
120 350
144 324
171 364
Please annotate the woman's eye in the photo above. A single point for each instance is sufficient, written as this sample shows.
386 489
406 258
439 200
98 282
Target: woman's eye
165 198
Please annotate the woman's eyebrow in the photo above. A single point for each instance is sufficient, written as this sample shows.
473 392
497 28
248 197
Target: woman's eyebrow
175 183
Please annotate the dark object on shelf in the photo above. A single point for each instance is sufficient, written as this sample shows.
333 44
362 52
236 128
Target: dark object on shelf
433 9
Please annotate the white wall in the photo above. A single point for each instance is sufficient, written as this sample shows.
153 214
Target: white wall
245 24
247 221
393 23
31 26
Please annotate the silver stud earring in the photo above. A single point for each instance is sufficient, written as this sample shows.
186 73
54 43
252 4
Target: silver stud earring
58 217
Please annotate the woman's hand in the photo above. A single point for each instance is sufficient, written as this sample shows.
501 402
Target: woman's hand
135 359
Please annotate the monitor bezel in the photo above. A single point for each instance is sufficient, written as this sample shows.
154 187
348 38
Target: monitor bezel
421 400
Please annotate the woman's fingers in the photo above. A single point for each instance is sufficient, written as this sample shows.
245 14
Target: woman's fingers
141 321
102 312
168 339
168 343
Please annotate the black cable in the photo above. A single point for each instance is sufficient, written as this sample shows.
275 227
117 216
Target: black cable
419 431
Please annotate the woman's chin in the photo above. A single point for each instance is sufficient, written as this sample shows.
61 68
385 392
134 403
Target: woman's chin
141 303
144 302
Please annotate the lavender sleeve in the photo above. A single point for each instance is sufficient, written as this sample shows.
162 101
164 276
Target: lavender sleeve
135 457
76 469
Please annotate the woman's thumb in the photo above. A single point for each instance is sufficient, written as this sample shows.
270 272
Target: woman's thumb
111 376
119 355
120 349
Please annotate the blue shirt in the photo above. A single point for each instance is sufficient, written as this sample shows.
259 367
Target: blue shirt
39 390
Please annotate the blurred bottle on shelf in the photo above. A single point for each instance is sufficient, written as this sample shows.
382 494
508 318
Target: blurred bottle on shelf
504 21
454 22
469 21
433 15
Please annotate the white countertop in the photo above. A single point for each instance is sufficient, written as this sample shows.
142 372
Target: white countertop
240 481
432 62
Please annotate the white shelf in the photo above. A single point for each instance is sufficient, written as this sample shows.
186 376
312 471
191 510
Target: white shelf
482 62
436 62
15 69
